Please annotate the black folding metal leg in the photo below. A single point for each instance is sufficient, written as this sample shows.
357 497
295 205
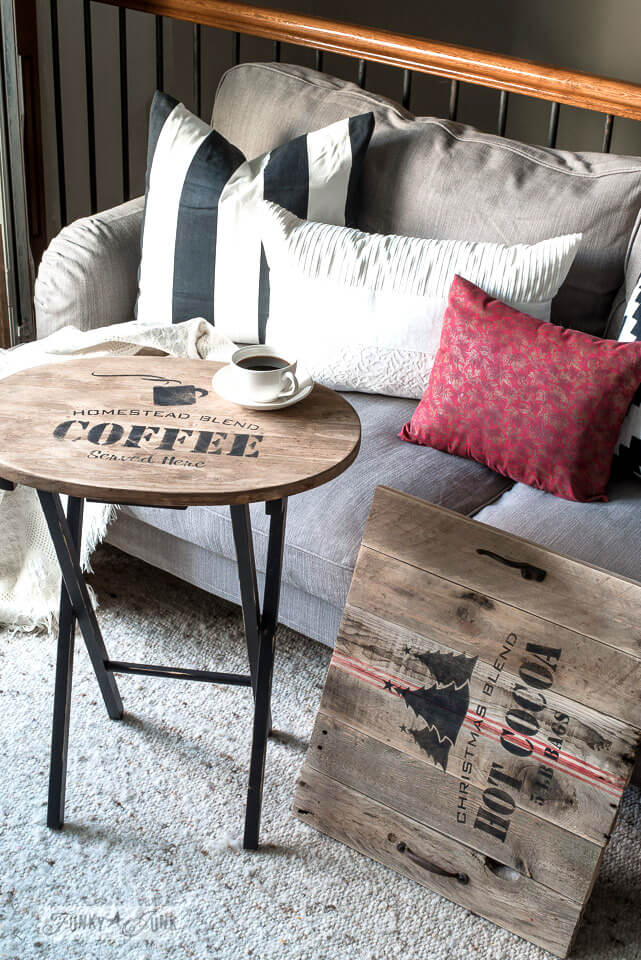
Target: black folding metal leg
277 509
260 630
69 560
75 604
250 602
62 690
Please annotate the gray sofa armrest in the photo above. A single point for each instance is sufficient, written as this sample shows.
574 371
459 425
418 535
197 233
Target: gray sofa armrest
88 276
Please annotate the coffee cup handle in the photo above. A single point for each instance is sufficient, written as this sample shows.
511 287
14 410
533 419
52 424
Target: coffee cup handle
293 387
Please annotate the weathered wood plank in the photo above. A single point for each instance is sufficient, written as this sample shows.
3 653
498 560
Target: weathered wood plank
604 744
565 792
597 679
478 717
573 594
537 849
499 894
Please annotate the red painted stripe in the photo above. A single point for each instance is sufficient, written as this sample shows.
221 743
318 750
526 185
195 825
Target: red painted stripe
610 789
567 763
569 758
583 765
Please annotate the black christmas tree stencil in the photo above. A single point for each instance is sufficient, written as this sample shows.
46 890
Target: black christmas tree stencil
442 706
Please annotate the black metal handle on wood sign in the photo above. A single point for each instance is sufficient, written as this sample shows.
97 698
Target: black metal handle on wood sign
528 571
428 865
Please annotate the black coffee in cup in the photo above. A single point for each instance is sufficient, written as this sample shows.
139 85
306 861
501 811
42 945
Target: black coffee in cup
265 362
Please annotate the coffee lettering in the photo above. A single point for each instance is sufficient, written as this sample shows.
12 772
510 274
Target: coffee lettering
162 439
170 436
140 431
215 447
204 439
114 435
253 445
240 445
62 430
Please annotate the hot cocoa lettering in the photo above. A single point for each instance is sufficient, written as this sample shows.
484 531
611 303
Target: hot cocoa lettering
149 437
522 723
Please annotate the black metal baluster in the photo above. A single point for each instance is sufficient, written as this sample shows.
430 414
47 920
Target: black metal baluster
453 105
236 49
407 88
197 69
318 60
160 54
124 102
607 133
553 127
57 102
276 51
362 73
503 112
91 114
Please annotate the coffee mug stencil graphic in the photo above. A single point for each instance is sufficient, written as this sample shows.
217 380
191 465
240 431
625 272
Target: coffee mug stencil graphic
180 394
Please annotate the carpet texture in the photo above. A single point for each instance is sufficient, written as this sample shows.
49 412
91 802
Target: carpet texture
149 864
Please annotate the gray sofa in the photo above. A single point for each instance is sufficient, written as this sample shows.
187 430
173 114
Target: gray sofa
422 177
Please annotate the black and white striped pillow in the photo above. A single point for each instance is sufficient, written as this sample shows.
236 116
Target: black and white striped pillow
201 250
628 448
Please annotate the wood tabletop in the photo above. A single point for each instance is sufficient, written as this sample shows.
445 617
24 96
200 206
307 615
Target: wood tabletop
152 431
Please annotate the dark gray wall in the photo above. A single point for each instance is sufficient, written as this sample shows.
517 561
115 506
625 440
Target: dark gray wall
592 35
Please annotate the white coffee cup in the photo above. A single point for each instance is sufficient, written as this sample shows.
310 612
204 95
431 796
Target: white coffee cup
262 374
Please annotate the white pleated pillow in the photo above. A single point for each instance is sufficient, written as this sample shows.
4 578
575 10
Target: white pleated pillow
364 311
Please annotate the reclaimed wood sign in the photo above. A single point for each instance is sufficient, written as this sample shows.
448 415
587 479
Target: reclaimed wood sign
480 717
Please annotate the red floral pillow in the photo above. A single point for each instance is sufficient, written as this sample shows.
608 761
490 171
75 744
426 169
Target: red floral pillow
535 402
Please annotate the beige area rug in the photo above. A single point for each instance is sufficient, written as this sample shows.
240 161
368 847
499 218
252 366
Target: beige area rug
149 864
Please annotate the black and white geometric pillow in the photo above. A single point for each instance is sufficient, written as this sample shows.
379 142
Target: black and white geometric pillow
628 448
201 250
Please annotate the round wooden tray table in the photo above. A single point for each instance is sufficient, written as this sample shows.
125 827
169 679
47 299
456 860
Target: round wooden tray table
151 431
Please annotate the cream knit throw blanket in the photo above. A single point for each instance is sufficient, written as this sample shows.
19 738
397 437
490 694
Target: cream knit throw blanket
29 572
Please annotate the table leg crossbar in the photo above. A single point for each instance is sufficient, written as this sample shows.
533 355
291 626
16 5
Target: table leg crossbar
178 673
75 606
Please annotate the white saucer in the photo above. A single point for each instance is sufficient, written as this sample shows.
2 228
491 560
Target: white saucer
223 384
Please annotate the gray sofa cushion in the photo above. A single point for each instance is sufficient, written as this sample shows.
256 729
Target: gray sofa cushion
88 276
604 534
325 526
298 609
426 177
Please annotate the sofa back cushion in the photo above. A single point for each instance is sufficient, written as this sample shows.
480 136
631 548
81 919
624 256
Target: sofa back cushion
334 290
432 178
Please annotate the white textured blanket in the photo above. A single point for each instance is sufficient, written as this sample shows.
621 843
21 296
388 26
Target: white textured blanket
29 573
